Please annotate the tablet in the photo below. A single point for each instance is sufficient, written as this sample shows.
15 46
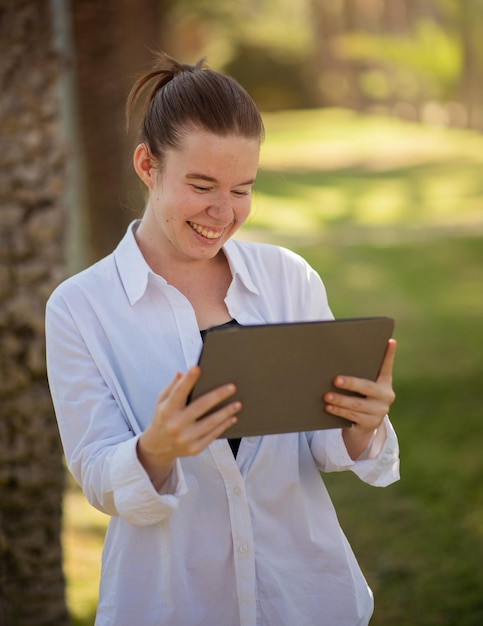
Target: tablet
282 371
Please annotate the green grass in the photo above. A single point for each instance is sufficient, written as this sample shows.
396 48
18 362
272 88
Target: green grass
391 216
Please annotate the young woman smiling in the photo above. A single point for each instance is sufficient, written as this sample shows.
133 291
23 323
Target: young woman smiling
204 531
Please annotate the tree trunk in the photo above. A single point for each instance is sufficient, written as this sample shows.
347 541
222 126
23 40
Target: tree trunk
336 78
470 84
113 40
31 230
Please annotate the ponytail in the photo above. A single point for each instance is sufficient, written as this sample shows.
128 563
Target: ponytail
182 97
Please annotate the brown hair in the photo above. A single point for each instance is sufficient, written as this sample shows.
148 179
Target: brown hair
184 97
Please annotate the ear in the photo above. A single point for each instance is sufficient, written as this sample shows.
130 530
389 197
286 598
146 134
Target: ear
144 164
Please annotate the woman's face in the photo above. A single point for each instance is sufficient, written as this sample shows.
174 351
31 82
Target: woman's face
199 198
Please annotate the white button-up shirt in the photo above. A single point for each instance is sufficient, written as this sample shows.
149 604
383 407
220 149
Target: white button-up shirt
249 541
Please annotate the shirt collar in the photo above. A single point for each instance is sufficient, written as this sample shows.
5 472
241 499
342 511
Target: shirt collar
238 265
134 271
131 265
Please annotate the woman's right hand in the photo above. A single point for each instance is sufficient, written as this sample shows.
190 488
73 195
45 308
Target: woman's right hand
176 430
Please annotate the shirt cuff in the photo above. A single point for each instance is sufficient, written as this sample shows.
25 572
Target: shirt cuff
379 463
135 497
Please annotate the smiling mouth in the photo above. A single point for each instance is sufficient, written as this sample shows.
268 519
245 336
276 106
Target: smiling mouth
208 233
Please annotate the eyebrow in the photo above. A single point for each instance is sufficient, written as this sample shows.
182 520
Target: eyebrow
210 179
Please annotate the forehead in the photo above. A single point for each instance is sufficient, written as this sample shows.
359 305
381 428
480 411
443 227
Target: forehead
215 154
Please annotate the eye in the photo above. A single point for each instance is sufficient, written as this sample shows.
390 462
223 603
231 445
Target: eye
240 194
200 189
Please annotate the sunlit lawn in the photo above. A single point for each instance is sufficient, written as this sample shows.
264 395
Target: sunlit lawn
83 535
391 215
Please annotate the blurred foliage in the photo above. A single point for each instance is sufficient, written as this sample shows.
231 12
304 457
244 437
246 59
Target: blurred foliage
216 28
345 53
271 78
264 44
426 64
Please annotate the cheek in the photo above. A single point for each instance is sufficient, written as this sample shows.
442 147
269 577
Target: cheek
244 211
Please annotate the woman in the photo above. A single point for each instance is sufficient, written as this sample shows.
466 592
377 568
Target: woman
203 532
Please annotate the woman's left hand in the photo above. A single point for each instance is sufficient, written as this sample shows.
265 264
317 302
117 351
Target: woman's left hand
367 410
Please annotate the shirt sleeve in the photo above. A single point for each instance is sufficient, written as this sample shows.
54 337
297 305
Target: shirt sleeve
135 498
377 466
97 437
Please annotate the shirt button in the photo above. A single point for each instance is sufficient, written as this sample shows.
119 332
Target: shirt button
243 549
237 491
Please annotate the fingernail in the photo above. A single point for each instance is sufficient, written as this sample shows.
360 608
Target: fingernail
340 381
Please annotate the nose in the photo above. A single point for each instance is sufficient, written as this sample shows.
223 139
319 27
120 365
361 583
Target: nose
221 209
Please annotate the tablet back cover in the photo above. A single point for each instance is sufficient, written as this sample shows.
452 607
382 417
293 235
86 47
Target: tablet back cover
282 371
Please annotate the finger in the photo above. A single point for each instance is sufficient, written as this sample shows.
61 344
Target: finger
177 392
208 401
205 441
366 413
186 383
167 390
368 387
200 434
373 405
354 404
362 386
213 420
367 392
388 362
181 415
211 426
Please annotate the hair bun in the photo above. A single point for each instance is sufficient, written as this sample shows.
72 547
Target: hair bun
165 68
181 96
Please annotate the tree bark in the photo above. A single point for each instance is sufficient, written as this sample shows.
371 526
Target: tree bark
31 231
113 42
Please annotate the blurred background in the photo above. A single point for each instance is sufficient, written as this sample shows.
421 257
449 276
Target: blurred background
371 170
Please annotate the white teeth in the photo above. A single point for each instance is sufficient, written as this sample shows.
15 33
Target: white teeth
209 234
